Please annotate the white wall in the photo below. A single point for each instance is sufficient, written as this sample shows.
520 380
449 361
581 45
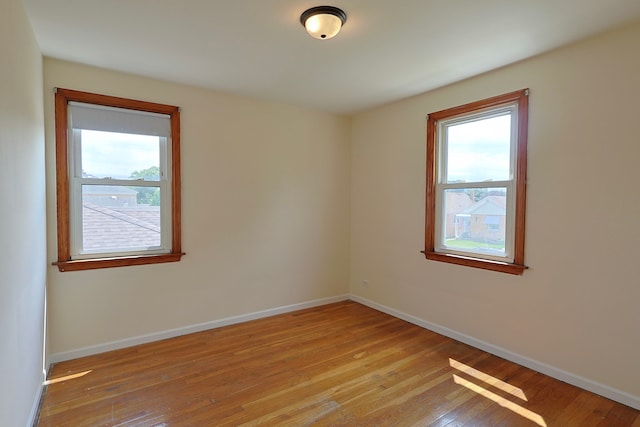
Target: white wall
265 216
22 213
576 308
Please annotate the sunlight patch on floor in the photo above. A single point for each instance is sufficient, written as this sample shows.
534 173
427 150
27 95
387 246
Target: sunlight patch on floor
493 381
497 383
66 377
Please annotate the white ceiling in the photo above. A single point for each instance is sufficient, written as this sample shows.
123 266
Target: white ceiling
387 50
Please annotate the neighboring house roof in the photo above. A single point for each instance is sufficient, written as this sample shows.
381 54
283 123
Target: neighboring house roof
490 205
457 201
111 190
499 200
120 227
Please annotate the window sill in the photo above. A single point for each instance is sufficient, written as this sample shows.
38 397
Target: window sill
484 264
95 263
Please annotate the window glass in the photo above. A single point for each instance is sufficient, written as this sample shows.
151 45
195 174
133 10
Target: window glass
114 221
479 150
111 217
119 155
475 220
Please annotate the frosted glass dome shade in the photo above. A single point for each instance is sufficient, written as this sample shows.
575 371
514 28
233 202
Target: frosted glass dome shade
323 22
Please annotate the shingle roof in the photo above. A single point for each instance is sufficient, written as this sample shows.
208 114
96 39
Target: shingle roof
120 227
490 205
457 201
108 190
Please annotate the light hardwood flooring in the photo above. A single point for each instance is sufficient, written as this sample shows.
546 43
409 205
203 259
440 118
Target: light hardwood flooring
342 364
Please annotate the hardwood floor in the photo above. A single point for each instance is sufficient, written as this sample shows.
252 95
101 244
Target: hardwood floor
342 364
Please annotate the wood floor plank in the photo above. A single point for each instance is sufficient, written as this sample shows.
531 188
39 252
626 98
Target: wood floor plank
342 364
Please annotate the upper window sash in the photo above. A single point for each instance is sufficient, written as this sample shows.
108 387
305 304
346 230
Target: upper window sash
442 147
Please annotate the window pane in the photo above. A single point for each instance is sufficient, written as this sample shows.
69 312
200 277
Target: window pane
120 155
474 220
113 220
479 150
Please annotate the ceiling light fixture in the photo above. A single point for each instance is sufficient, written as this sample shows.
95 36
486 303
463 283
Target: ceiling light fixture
323 22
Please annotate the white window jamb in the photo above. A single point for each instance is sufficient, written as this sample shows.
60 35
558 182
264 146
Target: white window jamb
442 173
76 180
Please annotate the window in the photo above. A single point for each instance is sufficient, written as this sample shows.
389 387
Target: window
118 181
476 179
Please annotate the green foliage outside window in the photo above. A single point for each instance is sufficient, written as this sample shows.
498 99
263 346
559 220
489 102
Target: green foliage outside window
148 195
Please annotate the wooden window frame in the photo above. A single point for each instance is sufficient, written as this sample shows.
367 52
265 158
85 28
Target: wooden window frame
65 261
521 97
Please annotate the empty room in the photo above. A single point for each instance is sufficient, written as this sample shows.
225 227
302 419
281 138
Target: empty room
358 213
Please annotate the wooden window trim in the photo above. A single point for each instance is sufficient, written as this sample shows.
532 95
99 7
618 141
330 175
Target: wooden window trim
65 263
518 266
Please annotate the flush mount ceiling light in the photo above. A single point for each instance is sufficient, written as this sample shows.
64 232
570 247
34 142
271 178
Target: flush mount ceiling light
323 22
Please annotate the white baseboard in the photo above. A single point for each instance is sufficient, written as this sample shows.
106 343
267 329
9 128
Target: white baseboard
156 336
36 402
568 377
